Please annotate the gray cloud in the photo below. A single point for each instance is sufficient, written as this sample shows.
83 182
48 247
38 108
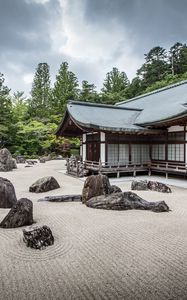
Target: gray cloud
93 36
148 21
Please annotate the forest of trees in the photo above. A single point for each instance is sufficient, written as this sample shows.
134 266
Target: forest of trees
28 124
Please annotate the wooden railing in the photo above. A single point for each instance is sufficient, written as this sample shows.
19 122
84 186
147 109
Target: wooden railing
157 166
118 168
168 167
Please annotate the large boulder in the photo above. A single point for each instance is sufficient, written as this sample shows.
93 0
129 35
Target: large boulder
125 201
95 185
6 161
144 185
38 237
21 214
44 184
7 193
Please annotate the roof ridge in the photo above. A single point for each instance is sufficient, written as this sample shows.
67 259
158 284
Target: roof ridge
153 92
101 105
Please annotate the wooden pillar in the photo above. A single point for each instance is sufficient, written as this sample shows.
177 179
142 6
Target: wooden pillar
185 154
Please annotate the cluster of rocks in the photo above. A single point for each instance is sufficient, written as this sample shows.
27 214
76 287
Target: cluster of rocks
144 185
21 214
98 193
7 163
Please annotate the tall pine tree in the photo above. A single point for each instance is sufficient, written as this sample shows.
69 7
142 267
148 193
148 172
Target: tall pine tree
40 103
155 67
178 58
65 88
114 86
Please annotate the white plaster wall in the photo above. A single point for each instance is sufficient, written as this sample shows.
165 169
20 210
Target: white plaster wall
175 128
84 147
102 147
81 150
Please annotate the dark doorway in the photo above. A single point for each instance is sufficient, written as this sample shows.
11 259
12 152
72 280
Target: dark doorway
93 151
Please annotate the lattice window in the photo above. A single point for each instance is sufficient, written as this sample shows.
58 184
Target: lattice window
123 154
158 152
176 152
113 154
139 153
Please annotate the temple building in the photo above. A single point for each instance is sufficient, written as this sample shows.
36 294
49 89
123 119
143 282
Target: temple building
145 133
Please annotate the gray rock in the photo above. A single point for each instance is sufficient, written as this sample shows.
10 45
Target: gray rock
44 184
95 185
20 159
38 237
42 160
115 189
140 185
158 187
14 165
21 214
7 163
7 193
125 201
144 185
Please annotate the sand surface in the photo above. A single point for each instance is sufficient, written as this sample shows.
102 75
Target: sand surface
97 254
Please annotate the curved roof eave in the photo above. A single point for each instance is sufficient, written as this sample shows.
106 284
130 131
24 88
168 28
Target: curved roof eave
170 119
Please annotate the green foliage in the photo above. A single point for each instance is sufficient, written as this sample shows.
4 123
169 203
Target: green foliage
40 102
88 92
35 137
169 79
65 88
135 88
114 87
5 113
20 106
155 67
178 58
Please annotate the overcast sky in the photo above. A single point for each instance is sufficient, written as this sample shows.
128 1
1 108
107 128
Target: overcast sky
91 35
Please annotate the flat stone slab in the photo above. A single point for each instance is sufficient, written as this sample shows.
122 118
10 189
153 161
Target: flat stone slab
61 198
125 201
38 237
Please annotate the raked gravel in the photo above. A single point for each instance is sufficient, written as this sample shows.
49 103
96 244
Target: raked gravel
97 254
